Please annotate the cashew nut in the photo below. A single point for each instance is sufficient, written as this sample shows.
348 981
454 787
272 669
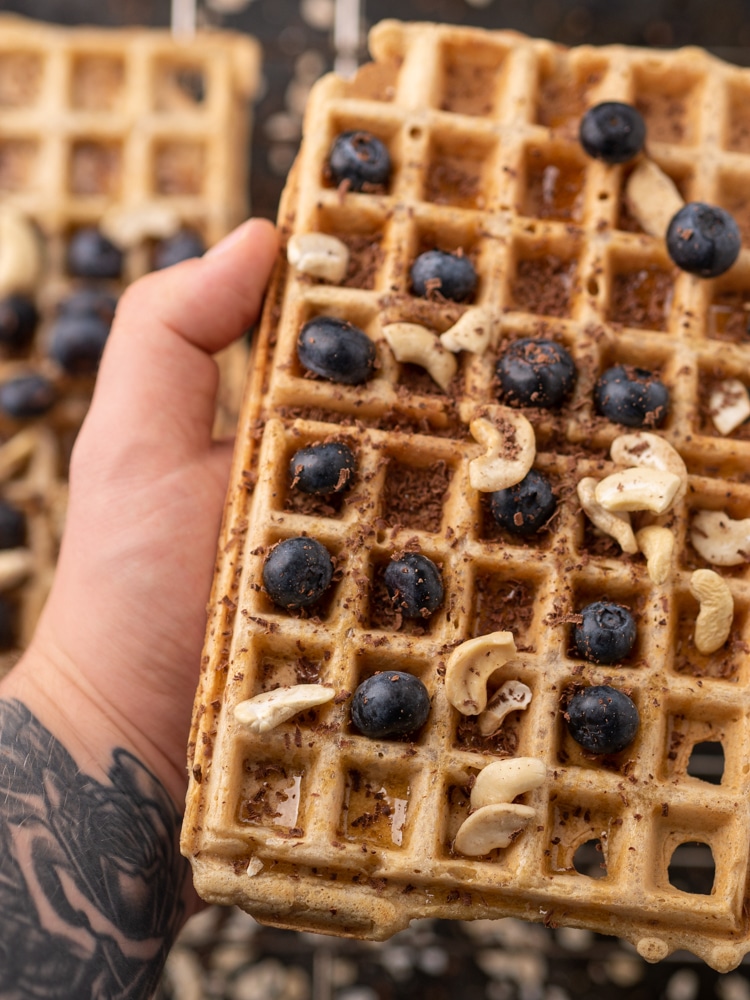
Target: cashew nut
657 545
15 566
268 710
503 780
638 489
644 449
129 226
653 198
510 449
472 332
20 253
319 255
513 696
470 666
719 539
616 524
714 620
729 405
420 346
17 450
491 827
184 975
496 821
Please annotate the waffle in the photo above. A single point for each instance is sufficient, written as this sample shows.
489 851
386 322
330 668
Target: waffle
108 125
312 825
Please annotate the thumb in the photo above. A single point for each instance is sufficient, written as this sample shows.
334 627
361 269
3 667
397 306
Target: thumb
157 378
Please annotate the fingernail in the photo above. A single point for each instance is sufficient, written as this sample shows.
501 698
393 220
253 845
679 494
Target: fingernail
230 240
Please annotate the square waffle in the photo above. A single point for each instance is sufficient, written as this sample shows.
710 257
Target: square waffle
96 124
312 825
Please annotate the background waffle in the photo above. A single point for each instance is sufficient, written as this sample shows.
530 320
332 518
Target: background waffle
316 827
94 121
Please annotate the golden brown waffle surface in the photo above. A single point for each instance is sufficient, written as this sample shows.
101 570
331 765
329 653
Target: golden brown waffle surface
313 825
133 126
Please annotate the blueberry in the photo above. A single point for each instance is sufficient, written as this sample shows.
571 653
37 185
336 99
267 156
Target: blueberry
297 572
606 634
184 245
703 239
92 255
18 321
361 159
631 396
336 350
525 508
392 703
77 342
613 132
602 719
27 396
12 526
536 372
415 585
80 332
450 274
323 468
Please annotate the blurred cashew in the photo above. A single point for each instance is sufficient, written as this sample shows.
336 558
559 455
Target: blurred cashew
131 225
20 253
491 827
615 524
729 405
419 346
644 449
228 6
714 621
503 780
472 332
268 710
513 696
719 539
17 450
638 489
15 566
318 255
653 198
470 666
657 545
183 973
510 446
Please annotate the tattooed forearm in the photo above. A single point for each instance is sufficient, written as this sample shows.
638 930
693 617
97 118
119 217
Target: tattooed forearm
90 873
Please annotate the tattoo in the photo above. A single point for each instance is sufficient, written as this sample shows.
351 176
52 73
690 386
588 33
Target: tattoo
90 874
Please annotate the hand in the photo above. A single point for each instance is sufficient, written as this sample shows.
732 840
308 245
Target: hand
116 656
